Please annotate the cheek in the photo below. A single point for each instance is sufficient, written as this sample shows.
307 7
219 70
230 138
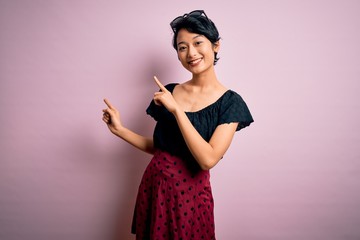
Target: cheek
181 56
211 52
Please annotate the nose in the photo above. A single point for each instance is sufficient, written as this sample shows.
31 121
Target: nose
192 51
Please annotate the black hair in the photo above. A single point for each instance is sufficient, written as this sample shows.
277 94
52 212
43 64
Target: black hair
197 24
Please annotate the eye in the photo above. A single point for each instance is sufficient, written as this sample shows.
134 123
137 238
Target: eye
182 48
198 42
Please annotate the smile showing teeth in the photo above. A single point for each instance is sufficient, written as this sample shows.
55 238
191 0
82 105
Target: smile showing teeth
195 61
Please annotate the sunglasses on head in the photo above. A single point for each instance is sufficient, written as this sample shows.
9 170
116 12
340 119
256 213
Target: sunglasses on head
196 13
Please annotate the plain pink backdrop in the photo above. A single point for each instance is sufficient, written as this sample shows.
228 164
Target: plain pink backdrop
292 175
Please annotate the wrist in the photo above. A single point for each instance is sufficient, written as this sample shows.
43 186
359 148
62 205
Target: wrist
120 131
177 111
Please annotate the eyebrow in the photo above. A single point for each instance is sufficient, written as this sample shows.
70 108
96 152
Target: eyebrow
183 42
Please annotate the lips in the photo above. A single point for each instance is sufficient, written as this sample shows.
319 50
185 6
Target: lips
194 62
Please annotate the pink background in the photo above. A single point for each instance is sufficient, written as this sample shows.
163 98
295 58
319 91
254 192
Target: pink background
292 175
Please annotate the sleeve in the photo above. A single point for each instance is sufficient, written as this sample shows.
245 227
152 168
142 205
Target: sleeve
234 109
153 110
156 111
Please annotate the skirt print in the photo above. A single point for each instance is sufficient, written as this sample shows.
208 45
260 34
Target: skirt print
174 201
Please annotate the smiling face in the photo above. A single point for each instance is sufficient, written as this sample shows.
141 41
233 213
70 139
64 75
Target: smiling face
196 52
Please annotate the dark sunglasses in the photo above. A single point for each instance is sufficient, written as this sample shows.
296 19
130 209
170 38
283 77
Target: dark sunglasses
196 13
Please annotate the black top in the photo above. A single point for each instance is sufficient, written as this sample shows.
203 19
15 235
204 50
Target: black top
230 107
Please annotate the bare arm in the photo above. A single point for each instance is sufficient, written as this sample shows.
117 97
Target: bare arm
207 154
111 117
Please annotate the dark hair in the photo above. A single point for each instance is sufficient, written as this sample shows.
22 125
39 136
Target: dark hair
199 24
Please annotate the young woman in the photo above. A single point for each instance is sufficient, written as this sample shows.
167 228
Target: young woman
196 122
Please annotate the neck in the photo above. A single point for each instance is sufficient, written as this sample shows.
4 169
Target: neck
205 79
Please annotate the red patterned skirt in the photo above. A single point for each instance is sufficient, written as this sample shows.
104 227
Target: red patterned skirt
174 201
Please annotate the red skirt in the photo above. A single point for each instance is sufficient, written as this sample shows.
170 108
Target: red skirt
174 201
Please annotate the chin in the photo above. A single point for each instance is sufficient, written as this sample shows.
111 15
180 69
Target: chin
198 71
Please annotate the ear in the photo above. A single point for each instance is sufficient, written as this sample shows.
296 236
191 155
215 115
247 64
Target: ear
216 46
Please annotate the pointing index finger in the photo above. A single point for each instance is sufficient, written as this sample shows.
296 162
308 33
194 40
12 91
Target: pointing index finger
160 84
108 103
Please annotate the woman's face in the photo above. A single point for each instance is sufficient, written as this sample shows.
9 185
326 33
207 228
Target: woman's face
195 52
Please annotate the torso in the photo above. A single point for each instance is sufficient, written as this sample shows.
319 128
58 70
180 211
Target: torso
191 99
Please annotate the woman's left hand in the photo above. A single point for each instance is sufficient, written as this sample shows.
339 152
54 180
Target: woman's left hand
165 98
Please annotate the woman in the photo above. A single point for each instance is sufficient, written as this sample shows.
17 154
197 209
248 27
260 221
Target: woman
196 122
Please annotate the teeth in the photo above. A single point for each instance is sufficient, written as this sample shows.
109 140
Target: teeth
195 61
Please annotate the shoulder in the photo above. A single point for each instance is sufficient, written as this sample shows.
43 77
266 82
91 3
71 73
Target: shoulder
230 96
170 86
231 101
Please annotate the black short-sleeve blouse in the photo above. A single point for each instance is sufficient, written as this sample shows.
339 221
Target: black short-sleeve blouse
230 107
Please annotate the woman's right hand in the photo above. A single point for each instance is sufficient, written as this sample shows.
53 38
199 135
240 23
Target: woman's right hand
111 117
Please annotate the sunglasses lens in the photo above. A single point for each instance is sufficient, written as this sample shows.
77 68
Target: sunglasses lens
175 21
196 13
